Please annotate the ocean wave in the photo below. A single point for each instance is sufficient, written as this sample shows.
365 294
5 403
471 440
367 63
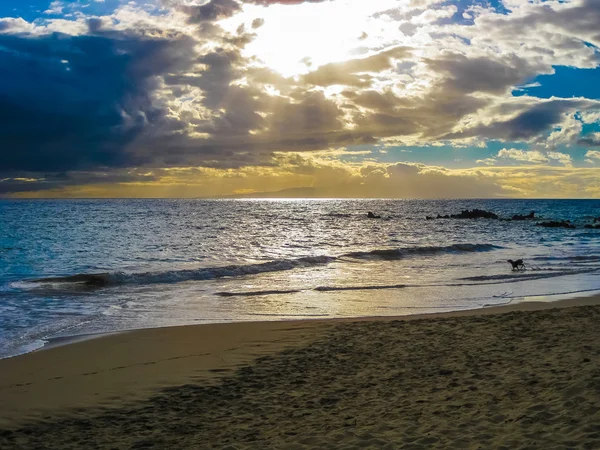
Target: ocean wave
88 279
256 293
590 258
175 276
96 280
359 288
332 214
397 253
480 280
526 276
519 277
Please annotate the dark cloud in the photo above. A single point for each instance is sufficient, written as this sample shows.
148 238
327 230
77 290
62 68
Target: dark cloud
212 11
345 73
313 114
467 75
241 112
561 24
235 108
74 102
531 123
309 122
221 68
32 182
430 115
375 100
222 9
589 142
96 24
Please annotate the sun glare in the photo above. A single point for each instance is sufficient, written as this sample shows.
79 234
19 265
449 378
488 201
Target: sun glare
297 39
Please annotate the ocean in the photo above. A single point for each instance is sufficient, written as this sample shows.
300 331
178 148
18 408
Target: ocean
168 262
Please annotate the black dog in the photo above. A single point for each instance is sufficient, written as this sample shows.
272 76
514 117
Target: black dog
517 265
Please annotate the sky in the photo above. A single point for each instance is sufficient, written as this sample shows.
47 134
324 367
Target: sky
300 98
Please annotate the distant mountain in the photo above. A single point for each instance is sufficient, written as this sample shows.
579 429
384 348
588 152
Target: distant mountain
302 192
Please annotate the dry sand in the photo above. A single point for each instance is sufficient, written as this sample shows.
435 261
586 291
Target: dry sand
526 378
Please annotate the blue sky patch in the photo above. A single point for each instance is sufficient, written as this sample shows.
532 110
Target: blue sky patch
31 10
566 82
462 15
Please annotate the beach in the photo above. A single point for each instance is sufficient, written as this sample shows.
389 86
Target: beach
518 376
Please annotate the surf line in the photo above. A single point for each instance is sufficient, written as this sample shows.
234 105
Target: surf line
391 286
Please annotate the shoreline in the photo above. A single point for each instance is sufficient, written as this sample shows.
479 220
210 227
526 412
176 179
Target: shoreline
576 296
107 371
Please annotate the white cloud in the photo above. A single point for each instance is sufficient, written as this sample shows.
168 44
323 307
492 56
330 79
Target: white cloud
487 161
566 133
561 158
531 156
593 155
55 8
528 157
12 25
590 117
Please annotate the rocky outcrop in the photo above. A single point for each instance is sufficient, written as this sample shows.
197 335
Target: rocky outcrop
557 224
531 215
467 214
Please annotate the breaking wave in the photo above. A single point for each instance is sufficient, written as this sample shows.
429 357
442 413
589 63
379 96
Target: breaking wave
175 276
497 279
257 293
359 288
477 281
210 273
397 253
588 258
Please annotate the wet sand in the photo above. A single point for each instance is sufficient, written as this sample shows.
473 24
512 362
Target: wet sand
520 376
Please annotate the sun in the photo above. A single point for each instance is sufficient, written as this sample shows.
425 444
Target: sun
296 39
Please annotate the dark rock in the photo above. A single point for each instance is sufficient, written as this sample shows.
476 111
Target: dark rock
593 227
557 224
531 215
370 215
467 214
474 214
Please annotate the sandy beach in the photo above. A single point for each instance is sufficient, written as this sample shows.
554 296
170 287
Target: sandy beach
520 376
